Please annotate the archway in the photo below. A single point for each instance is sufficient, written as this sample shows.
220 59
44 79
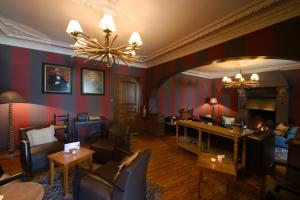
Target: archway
277 41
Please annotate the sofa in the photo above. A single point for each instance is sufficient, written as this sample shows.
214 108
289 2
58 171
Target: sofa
33 157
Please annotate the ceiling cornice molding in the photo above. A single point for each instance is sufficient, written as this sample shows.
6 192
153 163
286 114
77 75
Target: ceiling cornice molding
258 15
15 30
15 34
210 75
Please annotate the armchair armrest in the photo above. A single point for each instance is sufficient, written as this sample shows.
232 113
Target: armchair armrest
25 155
11 178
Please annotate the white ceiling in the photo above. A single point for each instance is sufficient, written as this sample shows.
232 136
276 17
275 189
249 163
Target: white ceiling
159 22
164 25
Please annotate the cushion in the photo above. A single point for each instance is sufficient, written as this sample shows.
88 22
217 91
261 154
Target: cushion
281 130
41 136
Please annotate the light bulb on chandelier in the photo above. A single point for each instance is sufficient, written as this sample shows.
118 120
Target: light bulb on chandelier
240 81
104 51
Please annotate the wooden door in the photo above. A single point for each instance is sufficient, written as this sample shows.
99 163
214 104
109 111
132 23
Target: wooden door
127 103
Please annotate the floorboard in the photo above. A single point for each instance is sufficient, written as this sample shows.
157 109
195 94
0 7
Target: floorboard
174 169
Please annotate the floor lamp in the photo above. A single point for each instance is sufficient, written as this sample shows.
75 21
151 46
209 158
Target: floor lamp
213 101
10 97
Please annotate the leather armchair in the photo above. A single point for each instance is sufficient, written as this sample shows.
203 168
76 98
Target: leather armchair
106 184
34 159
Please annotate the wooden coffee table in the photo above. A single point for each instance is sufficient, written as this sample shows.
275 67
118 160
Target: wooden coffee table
226 168
22 191
68 159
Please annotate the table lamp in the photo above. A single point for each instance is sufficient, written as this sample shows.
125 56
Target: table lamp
10 97
213 101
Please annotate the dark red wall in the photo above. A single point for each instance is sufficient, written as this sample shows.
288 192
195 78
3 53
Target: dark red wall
184 91
21 70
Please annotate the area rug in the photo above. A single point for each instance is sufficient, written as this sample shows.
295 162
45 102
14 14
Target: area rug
56 192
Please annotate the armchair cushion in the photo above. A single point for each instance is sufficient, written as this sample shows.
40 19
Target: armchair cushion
41 136
281 130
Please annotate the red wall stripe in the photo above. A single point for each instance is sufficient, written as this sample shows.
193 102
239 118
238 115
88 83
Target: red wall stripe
53 101
20 83
259 43
183 92
81 100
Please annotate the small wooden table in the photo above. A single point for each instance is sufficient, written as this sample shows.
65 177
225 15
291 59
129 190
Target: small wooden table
66 160
226 168
22 191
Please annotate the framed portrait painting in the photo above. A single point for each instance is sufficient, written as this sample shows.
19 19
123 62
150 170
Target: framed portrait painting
57 79
92 82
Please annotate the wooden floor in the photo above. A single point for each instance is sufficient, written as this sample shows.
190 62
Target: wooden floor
175 171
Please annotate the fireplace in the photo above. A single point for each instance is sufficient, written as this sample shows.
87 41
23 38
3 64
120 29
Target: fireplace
256 117
267 103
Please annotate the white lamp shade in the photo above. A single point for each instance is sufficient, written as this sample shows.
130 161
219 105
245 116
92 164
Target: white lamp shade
225 79
254 77
238 76
135 39
213 101
74 26
107 23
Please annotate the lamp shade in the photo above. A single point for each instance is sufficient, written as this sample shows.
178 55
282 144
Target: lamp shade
11 97
213 101
107 23
74 26
135 39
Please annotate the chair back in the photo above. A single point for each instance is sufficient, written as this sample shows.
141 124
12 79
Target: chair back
62 126
132 179
120 132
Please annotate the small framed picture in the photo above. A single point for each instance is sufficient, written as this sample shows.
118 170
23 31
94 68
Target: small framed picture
92 82
57 79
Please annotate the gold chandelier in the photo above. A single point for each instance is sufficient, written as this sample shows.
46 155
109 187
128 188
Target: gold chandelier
104 51
241 82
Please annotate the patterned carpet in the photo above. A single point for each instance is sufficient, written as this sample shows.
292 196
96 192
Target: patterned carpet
56 192
280 153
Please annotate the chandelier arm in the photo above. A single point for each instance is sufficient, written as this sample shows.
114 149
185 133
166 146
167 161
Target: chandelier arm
98 43
107 40
112 42
120 47
114 59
